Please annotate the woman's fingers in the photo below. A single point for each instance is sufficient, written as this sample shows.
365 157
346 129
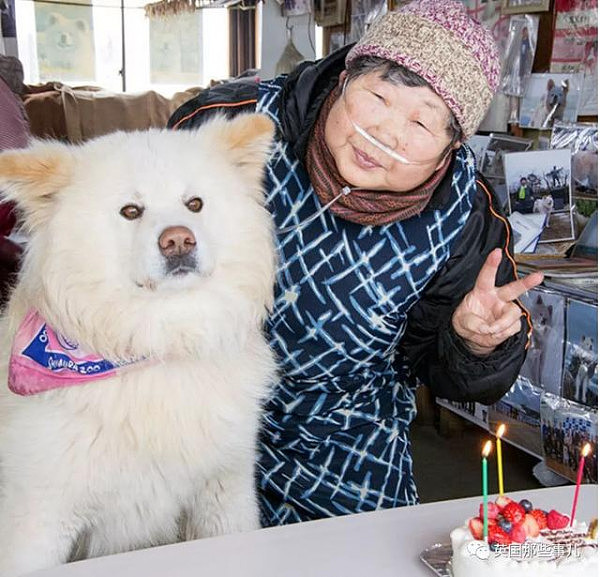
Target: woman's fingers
486 279
479 332
511 291
511 313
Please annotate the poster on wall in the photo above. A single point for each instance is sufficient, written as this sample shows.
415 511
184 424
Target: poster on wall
575 47
176 48
65 42
566 428
580 380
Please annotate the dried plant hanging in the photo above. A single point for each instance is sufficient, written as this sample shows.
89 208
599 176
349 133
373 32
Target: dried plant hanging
166 8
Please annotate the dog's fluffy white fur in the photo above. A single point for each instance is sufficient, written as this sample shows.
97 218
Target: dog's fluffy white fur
166 450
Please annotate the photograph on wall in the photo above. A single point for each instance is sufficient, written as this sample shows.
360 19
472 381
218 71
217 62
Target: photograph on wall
492 163
65 42
519 410
566 428
296 7
176 48
337 40
520 52
582 140
476 411
575 47
362 14
524 6
478 143
540 182
8 28
550 98
330 12
544 361
580 379
489 13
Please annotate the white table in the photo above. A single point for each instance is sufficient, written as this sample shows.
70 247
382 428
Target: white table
379 544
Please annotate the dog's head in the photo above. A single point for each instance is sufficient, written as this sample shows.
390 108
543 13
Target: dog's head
134 222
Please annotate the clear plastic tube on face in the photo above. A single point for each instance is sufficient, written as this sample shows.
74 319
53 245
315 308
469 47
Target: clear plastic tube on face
395 155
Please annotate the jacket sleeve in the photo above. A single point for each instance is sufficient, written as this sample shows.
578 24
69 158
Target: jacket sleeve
435 353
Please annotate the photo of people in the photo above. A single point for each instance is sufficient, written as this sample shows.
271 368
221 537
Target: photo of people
566 428
580 379
540 182
519 410
544 361
549 98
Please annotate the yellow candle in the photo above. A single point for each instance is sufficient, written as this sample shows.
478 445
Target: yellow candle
499 432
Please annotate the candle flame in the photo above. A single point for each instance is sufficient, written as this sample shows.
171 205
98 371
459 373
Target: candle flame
500 430
487 448
586 450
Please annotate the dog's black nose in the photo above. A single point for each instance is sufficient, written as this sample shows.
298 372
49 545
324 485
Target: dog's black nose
176 241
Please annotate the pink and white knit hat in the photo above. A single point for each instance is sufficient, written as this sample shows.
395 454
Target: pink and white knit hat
440 42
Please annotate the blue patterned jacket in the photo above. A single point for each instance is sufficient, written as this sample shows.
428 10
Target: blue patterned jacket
360 313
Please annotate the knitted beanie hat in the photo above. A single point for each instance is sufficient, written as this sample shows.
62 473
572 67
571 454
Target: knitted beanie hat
440 42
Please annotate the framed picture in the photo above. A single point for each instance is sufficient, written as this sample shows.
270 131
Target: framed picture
549 98
524 6
539 182
330 12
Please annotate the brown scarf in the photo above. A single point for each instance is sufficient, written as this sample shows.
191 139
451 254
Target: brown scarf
366 207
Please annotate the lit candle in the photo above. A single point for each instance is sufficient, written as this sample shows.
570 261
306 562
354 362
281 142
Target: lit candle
584 453
487 448
499 432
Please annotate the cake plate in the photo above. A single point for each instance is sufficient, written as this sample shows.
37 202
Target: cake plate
437 558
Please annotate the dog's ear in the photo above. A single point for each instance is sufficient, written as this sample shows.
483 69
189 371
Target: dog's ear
248 139
32 177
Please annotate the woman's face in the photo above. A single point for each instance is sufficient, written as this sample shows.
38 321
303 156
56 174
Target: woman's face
411 121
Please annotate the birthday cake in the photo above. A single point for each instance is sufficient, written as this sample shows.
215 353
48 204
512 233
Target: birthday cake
524 542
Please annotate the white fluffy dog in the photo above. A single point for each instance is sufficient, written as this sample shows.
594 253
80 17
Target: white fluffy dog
153 249
544 205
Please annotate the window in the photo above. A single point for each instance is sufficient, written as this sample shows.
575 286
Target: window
81 42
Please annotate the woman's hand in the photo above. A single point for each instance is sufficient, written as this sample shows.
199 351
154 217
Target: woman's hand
486 317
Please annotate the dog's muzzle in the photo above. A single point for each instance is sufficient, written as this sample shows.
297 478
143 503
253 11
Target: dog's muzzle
177 245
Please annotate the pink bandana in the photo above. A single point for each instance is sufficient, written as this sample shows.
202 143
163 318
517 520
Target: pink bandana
42 360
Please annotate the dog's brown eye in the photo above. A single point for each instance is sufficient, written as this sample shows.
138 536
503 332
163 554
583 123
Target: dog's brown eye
195 204
131 211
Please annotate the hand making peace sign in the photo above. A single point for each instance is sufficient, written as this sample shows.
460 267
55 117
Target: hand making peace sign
487 316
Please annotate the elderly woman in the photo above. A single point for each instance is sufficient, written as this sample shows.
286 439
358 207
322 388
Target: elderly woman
395 260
